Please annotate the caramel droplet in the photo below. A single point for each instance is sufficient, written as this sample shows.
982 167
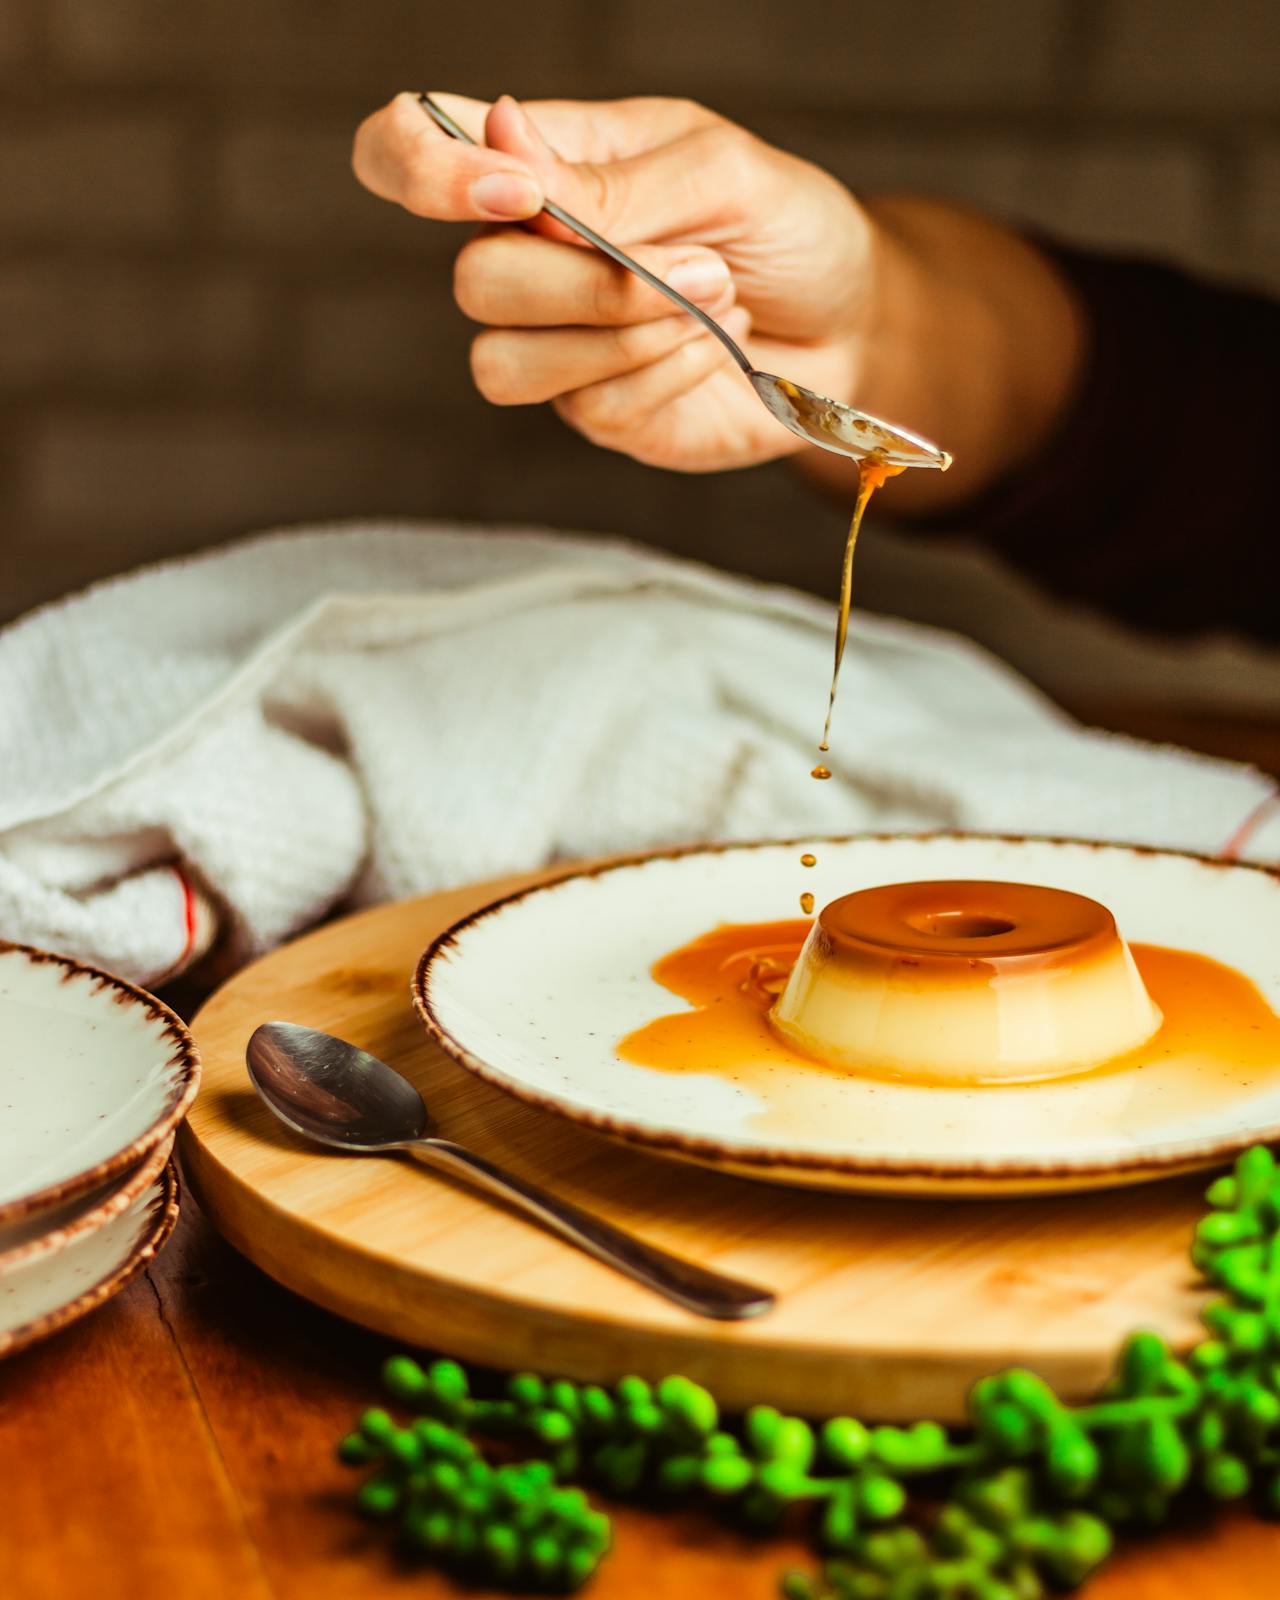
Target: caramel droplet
807 860
821 772
806 904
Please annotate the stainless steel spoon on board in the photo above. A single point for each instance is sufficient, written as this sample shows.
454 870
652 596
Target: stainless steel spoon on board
327 1090
830 424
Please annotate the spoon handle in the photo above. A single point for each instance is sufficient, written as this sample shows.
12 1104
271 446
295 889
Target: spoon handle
706 1293
442 119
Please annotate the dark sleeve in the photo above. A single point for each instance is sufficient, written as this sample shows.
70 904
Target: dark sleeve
1158 500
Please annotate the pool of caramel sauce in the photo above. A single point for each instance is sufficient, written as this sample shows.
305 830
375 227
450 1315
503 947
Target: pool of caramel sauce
732 975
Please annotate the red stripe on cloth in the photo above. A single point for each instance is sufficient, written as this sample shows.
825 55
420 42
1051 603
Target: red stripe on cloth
1240 838
189 916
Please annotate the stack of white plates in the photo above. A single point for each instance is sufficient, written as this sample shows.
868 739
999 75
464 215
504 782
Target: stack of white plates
95 1075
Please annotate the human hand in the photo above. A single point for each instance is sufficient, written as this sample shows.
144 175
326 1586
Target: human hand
774 248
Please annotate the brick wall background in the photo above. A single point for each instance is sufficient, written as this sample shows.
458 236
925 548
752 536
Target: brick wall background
206 327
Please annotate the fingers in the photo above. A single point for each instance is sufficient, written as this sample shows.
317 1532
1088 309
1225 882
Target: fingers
525 366
510 279
699 169
613 410
401 155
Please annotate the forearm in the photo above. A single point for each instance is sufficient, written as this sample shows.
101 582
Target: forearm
972 338
1033 398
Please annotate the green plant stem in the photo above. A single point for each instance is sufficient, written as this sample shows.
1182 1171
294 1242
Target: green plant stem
1121 1413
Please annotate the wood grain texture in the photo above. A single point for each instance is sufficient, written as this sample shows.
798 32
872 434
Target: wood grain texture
177 1444
888 1308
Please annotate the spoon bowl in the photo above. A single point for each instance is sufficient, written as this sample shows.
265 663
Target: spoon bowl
329 1091
834 426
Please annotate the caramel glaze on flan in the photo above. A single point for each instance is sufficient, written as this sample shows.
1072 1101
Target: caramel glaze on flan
965 980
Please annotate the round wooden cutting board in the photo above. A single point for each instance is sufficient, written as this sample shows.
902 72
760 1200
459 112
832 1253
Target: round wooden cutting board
888 1308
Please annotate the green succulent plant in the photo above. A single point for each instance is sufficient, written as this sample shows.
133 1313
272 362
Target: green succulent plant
1024 1501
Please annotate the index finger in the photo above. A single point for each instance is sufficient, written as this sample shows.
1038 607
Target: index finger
401 155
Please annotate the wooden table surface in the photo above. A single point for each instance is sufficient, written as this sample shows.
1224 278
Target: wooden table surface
177 1445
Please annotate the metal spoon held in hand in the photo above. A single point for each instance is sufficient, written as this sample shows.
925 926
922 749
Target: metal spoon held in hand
327 1090
830 424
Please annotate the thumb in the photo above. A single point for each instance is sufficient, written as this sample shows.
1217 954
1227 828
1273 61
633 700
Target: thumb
608 195
665 192
511 129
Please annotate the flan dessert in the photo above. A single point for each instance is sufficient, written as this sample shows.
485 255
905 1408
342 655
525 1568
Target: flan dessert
965 981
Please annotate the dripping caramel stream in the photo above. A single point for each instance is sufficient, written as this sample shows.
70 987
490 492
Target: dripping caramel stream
872 475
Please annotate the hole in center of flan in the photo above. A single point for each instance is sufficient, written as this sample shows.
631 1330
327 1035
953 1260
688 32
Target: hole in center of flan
959 924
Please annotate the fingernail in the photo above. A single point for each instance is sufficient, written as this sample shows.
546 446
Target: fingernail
701 279
506 194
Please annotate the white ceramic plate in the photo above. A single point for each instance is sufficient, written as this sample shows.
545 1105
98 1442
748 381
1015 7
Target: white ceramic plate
57 1229
48 1288
533 993
94 1075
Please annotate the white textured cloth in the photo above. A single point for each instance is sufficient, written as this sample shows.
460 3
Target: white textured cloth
361 712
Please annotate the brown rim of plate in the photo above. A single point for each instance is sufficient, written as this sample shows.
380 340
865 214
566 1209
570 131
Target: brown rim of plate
108 1208
164 1216
184 1059
1159 1158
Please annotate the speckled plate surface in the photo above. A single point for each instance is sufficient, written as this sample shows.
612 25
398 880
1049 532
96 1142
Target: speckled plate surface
95 1074
44 1289
533 993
